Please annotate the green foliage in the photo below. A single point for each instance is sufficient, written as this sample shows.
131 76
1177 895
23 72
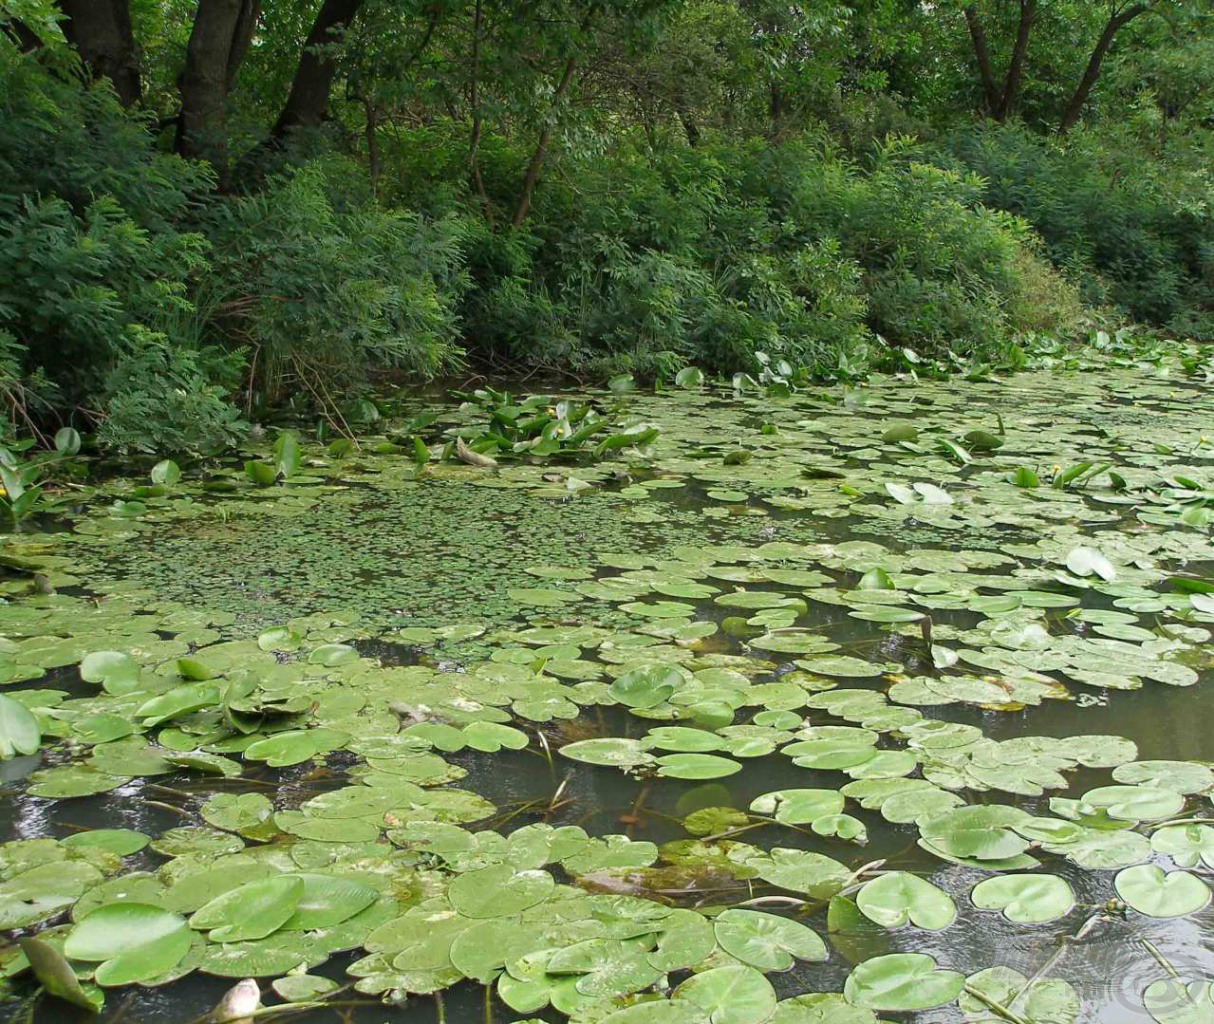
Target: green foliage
1134 234
716 254
323 293
619 188
540 426
95 279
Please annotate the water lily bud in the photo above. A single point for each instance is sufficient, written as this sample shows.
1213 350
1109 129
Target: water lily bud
239 1001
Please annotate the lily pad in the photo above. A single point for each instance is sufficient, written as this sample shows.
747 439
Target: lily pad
1157 893
1025 898
901 982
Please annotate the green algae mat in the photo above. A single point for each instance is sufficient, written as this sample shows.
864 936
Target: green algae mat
811 706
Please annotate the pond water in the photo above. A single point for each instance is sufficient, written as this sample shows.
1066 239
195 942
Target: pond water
683 735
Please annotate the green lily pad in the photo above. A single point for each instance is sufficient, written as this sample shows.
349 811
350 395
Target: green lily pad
131 942
19 729
729 995
1025 898
250 911
902 982
766 941
1157 893
898 898
498 891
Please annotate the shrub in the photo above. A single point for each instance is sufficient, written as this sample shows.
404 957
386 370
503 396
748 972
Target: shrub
1138 234
714 254
96 276
322 295
168 398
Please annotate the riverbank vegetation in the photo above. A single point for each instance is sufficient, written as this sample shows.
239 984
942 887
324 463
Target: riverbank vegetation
209 210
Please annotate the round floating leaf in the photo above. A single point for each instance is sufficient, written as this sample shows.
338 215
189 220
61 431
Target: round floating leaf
609 751
333 655
1049 1001
1025 898
295 746
251 911
979 832
247 814
1085 561
166 472
902 982
821 1008
183 700
19 731
657 1011
730 995
491 737
696 766
73 780
302 988
328 900
682 739
687 938
767 941
56 976
1157 893
1174 1001
898 898
1177 776
119 841
1135 803
1186 844
606 967
647 686
118 673
802 871
133 941
498 891
799 806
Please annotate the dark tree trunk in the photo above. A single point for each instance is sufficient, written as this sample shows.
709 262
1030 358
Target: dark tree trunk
309 97
474 101
371 132
1074 109
1015 67
983 56
690 128
218 41
541 146
101 32
775 110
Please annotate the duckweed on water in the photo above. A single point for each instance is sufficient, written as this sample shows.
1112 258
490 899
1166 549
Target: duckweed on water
850 661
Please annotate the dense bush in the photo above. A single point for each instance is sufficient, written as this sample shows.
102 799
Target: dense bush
321 294
713 254
694 205
1135 234
135 300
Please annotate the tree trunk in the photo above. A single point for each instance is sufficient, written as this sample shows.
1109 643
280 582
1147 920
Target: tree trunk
309 97
101 32
541 146
217 45
474 101
983 55
1074 109
1015 67
775 110
690 128
371 131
